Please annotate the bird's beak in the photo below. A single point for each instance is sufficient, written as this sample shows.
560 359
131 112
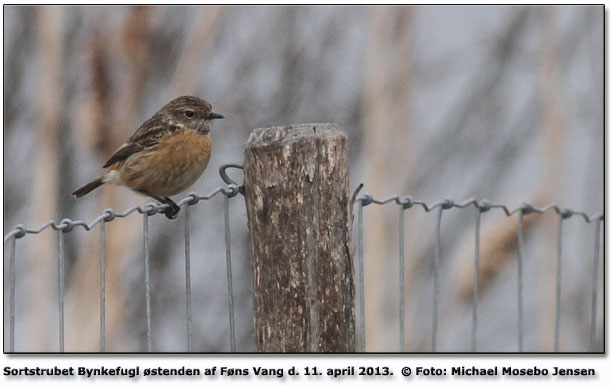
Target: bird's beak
215 116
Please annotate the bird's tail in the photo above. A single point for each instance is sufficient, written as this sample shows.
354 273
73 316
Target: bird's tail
84 190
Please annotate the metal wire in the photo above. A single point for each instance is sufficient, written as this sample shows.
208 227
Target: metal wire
482 206
401 280
478 218
147 281
19 231
229 275
60 287
12 294
361 274
108 215
67 225
188 276
520 281
558 283
595 285
436 279
103 286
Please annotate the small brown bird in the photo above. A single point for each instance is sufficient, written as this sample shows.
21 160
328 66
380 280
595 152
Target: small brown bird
165 156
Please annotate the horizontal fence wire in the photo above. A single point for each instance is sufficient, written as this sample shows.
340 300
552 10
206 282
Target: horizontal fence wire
109 215
482 206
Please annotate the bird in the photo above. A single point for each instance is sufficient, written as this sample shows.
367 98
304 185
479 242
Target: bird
165 156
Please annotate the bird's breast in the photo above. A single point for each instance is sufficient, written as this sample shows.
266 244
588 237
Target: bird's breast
171 166
185 151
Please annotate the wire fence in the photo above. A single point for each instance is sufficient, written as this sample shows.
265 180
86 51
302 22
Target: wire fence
482 206
108 215
231 191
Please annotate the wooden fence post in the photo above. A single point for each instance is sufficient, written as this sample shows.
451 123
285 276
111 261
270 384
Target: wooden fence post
296 190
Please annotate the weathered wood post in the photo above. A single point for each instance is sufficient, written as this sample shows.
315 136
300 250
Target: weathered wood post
296 190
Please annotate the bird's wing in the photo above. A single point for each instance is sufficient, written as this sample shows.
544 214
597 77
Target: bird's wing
126 150
150 127
146 137
146 140
151 136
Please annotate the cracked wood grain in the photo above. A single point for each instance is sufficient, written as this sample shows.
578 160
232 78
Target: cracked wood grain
296 190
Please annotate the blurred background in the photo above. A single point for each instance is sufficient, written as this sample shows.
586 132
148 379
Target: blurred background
496 102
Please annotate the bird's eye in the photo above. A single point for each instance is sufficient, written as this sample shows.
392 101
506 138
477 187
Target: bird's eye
190 113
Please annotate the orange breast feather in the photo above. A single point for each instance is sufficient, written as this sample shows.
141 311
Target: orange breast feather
171 166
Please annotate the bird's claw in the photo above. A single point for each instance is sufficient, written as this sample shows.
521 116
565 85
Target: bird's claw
171 212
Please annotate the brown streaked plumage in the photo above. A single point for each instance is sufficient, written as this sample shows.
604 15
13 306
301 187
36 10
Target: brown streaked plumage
165 156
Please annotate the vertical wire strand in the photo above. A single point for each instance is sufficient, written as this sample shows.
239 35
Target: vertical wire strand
558 283
478 217
436 280
12 294
520 282
60 280
229 275
147 285
188 275
595 285
401 280
102 286
361 275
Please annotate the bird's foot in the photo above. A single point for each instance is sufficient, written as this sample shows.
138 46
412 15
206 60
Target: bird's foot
171 212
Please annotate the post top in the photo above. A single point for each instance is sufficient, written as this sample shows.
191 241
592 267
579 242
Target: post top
282 135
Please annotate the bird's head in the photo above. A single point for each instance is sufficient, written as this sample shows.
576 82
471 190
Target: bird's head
192 113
